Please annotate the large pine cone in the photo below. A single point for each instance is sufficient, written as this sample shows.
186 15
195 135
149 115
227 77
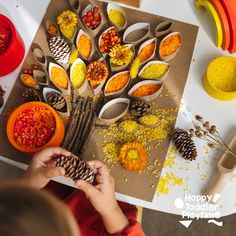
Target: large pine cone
184 144
75 168
59 49
138 108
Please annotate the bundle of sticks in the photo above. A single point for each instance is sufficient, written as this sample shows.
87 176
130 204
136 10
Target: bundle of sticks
80 126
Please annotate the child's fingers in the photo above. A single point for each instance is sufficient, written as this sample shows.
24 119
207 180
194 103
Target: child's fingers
99 179
53 172
47 153
95 164
100 167
99 186
91 164
87 188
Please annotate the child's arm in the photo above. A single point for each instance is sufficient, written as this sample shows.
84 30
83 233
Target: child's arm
102 197
42 167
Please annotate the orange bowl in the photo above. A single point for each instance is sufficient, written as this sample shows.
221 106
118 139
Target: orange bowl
56 138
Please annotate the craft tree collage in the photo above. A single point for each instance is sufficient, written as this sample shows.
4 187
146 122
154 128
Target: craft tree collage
105 82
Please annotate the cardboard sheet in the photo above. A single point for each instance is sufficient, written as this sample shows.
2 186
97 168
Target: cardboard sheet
142 186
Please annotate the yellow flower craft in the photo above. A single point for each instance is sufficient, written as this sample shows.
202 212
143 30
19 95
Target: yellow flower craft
67 22
121 55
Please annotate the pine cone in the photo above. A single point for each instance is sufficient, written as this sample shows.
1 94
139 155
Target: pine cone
30 95
138 108
184 144
2 92
75 168
57 101
1 101
59 49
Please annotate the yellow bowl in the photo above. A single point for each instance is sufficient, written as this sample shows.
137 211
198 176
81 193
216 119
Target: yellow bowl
220 78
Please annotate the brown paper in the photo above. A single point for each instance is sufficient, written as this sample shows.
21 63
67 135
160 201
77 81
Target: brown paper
142 186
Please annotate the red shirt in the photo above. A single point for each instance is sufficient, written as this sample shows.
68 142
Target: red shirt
90 222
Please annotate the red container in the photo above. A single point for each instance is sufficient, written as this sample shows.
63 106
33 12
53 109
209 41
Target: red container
14 54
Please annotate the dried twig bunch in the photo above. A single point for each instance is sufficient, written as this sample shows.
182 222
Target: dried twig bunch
80 127
204 130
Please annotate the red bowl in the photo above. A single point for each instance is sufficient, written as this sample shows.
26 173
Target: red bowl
14 54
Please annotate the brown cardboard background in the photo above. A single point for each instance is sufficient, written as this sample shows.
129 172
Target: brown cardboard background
138 186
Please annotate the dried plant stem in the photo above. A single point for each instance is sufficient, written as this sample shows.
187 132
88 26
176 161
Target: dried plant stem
222 140
209 133
222 148
215 140
227 150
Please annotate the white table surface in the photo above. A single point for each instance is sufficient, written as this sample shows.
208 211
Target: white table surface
27 15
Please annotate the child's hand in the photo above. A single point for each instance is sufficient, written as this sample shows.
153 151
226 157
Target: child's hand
102 197
42 167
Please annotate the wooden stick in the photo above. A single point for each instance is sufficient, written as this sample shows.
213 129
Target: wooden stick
72 122
89 133
86 119
99 103
86 127
77 127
